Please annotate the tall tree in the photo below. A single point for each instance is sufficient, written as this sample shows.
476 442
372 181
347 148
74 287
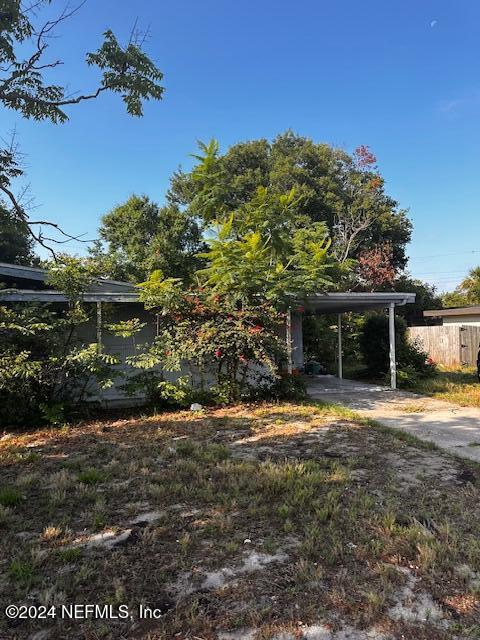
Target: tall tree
261 259
24 68
268 252
15 241
426 297
140 237
345 192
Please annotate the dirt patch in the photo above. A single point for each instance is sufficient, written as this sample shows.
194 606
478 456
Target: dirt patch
420 467
253 561
414 606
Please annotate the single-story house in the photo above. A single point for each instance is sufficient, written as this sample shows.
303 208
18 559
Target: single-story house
112 301
456 315
121 300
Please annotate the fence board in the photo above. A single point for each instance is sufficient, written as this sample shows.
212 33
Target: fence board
450 345
470 340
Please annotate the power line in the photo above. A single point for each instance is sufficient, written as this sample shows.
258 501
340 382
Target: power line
446 279
429 273
443 255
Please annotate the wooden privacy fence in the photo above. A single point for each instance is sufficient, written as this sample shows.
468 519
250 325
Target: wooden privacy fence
451 345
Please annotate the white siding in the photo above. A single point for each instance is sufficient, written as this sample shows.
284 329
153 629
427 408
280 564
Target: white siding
297 340
462 320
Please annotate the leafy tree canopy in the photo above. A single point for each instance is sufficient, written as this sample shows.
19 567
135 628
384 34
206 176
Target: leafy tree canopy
23 87
16 244
426 297
274 263
467 293
262 256
140 237
344 192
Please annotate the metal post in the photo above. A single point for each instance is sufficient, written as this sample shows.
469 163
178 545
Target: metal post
289 341
340 351
393 358
99 327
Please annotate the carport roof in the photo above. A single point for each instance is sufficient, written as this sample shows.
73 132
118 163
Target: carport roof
356 302
319 303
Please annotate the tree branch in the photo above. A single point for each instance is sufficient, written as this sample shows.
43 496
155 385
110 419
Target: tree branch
39 237
23 68
126 70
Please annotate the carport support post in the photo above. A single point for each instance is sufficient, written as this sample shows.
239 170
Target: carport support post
340 351
393 357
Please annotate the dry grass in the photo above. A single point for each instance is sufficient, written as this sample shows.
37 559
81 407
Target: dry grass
271 519
459 386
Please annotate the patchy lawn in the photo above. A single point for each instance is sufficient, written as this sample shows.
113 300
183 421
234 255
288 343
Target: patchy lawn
254 522
459 386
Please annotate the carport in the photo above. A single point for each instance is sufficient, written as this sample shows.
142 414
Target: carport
340 303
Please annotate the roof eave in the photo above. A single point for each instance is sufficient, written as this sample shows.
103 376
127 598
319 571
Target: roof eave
21 295
455 311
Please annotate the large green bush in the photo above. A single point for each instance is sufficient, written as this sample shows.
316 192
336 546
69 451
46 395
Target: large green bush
320 339
412 362
46 368
225 348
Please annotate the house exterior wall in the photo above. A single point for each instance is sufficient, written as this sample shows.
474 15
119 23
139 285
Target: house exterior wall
120 347
297 341
462 320
124 348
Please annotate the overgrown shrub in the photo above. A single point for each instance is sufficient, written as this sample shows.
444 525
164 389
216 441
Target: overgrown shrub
286 387
225 347
408 376
45 368
320 339
412 362
164 394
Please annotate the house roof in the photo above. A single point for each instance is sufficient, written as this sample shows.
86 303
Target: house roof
21 272
343 302
454 311
33 278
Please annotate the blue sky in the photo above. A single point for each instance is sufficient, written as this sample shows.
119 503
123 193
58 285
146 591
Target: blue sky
400 76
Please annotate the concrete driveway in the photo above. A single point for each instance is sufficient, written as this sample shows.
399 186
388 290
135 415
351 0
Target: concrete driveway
454 428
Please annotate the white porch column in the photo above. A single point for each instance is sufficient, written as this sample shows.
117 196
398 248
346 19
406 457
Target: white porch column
393 357
99 327
289 341
340 350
